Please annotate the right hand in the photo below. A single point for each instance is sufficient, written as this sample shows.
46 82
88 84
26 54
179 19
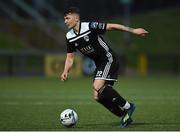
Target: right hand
64 76
140 31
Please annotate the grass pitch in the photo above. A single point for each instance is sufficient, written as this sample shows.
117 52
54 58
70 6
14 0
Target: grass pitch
35 104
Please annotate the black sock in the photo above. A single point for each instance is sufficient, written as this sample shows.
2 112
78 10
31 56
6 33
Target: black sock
111 107
108 93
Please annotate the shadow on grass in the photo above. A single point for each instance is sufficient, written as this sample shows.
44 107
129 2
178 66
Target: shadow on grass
133 124
154 123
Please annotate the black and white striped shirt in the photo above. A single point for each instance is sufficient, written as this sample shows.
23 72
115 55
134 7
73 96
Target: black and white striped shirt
90 42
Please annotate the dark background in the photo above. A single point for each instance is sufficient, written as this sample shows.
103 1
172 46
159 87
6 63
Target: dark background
24 31
101 8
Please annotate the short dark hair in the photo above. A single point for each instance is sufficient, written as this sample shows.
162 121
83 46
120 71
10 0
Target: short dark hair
72 10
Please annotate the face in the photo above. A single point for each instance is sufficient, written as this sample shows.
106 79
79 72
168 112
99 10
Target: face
71 20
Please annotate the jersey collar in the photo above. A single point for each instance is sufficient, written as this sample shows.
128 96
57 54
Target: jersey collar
77 33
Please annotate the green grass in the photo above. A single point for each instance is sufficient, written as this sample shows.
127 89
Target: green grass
35 104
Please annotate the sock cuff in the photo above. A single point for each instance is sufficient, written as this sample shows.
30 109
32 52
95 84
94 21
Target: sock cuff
127 105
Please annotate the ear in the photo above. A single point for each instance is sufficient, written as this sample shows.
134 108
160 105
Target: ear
77 17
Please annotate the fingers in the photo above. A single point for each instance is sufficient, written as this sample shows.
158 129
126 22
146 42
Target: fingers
140 31
64 77
146 31
143 32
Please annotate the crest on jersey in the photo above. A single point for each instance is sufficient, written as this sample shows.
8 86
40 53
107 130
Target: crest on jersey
94 25
86 38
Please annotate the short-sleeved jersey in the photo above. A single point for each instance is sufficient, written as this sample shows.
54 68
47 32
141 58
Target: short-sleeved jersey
89 42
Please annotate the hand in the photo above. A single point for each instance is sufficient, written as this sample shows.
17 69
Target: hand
140 32
64 76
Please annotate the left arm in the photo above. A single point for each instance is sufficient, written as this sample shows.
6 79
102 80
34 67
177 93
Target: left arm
136 31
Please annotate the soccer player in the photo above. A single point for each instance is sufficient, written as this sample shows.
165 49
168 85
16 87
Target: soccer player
87 38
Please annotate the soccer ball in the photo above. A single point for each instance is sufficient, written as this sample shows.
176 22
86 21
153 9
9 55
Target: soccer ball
68 118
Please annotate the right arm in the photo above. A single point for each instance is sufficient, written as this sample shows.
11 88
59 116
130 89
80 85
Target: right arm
100 28
68 65
136 31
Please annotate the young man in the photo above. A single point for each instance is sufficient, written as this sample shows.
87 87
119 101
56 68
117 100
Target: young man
86 37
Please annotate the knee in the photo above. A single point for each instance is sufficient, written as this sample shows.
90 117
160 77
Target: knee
96 95
96 87
96 98
98 84
96 92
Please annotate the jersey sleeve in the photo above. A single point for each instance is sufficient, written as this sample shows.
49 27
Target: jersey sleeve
97 27
70 47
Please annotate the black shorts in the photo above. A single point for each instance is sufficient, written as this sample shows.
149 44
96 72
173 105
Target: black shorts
107 70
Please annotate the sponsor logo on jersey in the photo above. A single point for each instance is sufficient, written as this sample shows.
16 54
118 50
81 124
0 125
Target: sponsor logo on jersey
87 49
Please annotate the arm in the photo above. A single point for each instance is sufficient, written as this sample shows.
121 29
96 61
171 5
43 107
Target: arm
136 31
68 65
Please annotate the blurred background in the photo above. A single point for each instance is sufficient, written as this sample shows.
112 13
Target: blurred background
33 51
32 36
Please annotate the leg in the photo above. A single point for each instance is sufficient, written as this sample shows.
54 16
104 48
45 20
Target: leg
97 84
109 97
107 92
126 119
112 107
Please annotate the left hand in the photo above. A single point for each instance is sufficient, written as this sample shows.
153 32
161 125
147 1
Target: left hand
140 31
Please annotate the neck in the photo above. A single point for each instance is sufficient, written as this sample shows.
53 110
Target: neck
76 28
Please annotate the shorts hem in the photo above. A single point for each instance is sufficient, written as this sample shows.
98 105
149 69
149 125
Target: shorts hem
108 79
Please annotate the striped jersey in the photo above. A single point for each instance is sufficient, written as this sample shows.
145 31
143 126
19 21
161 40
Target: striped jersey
89 42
